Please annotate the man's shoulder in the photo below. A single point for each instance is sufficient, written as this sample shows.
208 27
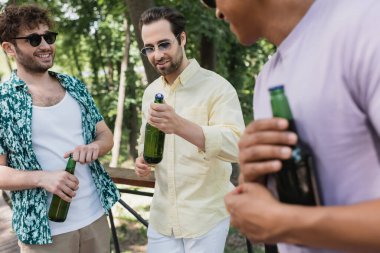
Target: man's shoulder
7 88
213 79
65 78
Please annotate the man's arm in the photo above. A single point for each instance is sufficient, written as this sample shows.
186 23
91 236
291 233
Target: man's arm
218 137
60 182
100 146
257 214
164 118
104 138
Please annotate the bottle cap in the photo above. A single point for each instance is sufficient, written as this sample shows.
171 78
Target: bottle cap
159 96
276 87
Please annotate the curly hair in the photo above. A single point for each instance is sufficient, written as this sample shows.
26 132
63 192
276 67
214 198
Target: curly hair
15 18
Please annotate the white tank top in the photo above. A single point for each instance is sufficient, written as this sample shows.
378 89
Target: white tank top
55 130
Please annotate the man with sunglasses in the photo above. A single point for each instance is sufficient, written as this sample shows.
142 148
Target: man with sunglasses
44 117
203 121
328 57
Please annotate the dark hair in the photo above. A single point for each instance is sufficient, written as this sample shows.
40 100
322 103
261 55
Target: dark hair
174 17
14 18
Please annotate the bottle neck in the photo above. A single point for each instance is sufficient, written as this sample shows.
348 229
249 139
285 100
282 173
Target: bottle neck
70 166
280 106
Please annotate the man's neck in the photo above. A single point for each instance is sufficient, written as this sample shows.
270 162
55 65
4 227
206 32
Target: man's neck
286 16
173 76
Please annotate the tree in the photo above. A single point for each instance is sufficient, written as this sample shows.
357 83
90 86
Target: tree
136 8
120 103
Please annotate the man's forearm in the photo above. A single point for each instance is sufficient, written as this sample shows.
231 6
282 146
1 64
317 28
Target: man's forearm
104 138
12 179
353 228
191 132
104 143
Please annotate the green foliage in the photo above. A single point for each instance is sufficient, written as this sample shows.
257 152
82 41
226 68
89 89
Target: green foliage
90 46
238 64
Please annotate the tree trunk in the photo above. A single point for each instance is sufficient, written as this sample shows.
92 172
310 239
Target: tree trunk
132 122
117 133
208 53
136 8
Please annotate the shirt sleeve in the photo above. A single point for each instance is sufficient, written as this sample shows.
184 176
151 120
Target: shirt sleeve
226 125
363 69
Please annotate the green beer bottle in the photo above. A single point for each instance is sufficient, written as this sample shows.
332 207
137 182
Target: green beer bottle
154 139
58 207
296 181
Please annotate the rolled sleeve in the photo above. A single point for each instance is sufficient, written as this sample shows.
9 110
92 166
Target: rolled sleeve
213 141
221 142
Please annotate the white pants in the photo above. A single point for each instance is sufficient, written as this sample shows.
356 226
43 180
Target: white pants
212 242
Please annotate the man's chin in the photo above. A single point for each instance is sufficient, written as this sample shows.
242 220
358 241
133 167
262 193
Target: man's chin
40 70
161 71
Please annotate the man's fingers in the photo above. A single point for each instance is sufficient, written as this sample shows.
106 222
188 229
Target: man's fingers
69 192
268 137
72 182
264 152
251 172
275 124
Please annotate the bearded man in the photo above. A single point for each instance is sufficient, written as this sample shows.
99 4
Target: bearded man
203 122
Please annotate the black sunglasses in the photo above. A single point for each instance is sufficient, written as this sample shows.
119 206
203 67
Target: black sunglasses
209 3
35 39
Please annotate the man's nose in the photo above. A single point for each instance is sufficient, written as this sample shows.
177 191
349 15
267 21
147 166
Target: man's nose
43 43
158 54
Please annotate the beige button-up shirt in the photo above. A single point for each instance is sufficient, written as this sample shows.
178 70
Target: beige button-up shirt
190 183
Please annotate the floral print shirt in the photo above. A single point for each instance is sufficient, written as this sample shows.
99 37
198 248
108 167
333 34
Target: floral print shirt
30 219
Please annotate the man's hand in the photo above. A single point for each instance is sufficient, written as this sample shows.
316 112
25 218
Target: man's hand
60 183
84 154
163 117
142 169
262 146
255 212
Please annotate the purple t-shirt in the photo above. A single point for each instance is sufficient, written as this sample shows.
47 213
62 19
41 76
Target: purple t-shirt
330 66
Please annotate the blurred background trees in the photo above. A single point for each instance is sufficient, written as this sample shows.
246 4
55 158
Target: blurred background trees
99 42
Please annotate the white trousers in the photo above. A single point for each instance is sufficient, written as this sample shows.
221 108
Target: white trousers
212 242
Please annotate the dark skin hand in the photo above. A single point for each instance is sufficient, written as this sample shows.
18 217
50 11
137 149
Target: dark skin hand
262 146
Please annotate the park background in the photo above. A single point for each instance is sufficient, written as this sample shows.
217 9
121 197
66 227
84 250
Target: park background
99 42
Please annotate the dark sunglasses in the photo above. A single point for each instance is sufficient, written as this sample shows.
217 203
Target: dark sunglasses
35 39
209 3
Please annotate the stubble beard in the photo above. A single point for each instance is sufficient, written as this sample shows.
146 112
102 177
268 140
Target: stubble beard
30 65
173 64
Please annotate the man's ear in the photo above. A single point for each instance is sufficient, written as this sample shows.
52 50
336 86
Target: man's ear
183 37
8 48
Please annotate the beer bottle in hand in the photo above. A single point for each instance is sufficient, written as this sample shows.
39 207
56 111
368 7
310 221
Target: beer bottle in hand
58 207
154 139
296 181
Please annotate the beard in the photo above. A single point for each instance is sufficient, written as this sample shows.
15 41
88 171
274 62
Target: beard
173 63
31 65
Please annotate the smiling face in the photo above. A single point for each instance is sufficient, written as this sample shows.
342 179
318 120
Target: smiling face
168 62
244 17
32 59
